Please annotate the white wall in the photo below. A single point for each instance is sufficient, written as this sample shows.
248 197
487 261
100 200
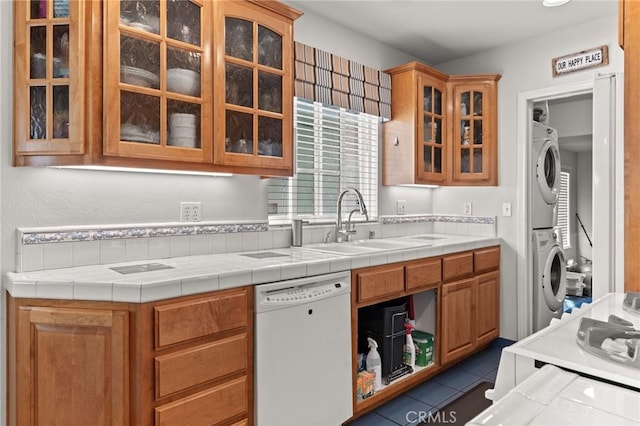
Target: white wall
524 66
584 206
569 161
572 118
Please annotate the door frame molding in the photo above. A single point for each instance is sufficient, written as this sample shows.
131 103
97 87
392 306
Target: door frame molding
524 258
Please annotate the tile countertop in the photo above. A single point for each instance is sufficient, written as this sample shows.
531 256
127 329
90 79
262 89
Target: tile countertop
199 274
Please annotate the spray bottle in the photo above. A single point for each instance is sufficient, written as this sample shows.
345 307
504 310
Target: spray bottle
409 347
374 364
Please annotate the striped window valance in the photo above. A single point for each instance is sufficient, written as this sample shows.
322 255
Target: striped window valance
333 80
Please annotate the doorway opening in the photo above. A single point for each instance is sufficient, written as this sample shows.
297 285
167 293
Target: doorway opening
572 118
601 150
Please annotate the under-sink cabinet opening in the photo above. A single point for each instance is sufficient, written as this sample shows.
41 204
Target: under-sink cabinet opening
452 302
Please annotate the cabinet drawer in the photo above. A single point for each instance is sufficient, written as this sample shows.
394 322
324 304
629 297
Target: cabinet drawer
183 321
486 259
208 407
380 282
457 265
425 273
191 367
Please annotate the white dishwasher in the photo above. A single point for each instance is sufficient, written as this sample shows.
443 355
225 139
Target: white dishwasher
303 370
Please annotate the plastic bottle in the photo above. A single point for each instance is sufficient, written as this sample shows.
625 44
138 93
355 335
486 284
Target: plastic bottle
374 364
409 347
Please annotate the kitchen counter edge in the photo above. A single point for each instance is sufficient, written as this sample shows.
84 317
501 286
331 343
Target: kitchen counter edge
189 275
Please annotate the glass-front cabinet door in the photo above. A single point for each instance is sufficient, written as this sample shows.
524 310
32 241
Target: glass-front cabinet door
431 147
253 96
158 79
473 141
49 82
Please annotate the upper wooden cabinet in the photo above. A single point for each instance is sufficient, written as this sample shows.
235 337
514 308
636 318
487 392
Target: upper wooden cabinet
158 88
197 85
444 126
474 139
49 78
254 59
414 148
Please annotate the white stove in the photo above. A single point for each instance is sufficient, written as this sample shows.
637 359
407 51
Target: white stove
558 345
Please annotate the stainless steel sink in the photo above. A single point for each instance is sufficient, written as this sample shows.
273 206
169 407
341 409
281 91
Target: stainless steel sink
383 244
341 248
263 254
353 248
427 237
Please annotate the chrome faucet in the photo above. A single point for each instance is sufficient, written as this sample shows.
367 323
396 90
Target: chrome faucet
345 234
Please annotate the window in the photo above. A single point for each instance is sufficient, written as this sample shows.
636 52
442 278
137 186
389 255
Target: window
335 149
564 219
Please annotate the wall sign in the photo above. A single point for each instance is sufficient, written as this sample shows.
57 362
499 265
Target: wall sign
580 61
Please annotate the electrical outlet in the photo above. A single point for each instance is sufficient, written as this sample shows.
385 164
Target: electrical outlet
401 207
190 211
506 209
467 208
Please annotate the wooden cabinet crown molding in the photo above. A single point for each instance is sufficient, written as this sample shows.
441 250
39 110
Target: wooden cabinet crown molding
278 8
419 67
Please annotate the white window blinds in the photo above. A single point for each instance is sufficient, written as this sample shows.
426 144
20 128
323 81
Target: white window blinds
335 149
564 219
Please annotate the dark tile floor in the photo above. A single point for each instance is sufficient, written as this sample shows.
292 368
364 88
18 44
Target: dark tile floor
438 391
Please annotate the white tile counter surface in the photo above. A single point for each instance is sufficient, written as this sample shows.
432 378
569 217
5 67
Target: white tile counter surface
204 273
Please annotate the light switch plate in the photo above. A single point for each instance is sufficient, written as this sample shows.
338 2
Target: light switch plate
506 209
467 208
401 207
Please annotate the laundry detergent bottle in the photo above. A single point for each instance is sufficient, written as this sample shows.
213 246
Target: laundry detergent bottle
374 364
409 347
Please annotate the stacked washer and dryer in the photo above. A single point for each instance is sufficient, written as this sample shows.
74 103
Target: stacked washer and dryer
549 266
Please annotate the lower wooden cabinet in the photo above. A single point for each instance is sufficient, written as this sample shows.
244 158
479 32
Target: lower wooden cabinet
487 318
470 314
380 282
458 327
203 357
209 407
456 298
183 361
67 366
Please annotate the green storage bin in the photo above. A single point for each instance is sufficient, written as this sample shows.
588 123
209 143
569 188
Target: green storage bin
424 347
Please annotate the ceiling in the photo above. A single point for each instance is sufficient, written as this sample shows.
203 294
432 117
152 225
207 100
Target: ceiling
437 31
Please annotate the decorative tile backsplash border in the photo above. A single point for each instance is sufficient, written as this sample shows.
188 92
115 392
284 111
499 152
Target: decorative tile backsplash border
486 220
74 246
97 234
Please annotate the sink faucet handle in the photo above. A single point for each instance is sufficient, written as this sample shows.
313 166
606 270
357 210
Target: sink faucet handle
327 238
